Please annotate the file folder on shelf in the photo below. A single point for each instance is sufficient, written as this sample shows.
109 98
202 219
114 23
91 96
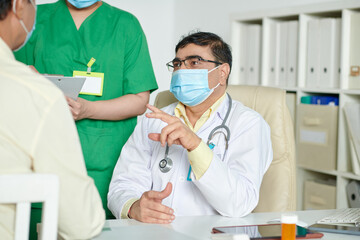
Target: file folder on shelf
243 59
292 54
253 56
352 115
330 29
313 54
282 28
354 79
273 69
353 193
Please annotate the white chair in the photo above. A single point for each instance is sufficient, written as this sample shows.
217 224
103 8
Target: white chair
22 190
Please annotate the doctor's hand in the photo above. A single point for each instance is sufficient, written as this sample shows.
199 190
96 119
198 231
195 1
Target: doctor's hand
79 108
149 208
176 132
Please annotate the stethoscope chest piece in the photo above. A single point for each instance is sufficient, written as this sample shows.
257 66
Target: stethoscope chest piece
165 165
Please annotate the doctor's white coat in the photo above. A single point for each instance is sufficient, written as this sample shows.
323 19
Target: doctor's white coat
229 187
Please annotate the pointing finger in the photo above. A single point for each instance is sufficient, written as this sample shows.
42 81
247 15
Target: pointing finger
153 108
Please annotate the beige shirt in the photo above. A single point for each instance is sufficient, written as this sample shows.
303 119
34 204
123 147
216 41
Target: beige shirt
38 134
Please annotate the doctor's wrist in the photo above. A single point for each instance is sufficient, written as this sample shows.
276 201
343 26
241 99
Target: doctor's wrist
195 144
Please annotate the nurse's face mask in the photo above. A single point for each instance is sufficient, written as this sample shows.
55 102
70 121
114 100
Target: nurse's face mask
191 86
82 3
28 33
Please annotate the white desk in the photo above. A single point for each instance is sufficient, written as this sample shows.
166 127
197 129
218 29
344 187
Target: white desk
199 227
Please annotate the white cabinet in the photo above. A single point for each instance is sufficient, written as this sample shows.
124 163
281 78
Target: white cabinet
307 50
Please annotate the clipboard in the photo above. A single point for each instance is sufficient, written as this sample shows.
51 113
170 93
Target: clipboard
266 231
71 86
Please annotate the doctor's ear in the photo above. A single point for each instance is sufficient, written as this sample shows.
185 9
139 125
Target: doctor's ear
224 73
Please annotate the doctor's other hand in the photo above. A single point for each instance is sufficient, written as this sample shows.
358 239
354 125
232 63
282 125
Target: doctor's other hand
149 208
79 108
176 132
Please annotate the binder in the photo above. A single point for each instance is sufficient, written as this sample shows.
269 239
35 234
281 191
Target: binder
312 70
352 115
329 46
353 194
354 78
292 53
283 32
253 46
243 60
273 71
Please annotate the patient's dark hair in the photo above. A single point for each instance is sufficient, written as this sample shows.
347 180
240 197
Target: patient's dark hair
5 6
220 49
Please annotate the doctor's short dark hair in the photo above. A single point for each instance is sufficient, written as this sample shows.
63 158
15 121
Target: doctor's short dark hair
5 6
220 49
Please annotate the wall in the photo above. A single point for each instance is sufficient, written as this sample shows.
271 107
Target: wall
215 15
165 21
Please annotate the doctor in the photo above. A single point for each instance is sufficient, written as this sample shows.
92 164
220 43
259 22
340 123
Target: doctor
203 155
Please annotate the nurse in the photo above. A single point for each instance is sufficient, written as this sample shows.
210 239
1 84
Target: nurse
91 37
203 155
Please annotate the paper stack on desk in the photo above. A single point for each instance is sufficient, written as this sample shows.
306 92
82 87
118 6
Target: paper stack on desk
352 114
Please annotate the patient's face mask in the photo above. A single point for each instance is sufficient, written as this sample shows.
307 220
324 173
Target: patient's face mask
82 3
28 34
191 86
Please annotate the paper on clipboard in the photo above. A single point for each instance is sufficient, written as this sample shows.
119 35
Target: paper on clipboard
70 86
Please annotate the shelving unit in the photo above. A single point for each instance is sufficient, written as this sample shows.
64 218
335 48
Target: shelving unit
345 10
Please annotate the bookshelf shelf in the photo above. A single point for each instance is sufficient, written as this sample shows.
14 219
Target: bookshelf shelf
344 87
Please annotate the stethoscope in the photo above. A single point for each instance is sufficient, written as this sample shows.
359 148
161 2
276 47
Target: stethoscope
166 163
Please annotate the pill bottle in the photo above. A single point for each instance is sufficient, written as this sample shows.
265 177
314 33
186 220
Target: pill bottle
288 226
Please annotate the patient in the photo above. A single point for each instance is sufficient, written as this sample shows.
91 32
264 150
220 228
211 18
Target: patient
38 134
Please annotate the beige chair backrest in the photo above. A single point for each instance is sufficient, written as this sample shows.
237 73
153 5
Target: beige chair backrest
278 189
22 190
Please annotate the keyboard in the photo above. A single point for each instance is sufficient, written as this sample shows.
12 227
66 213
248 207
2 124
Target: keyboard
343 216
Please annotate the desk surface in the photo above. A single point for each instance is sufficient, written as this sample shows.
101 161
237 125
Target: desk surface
199 227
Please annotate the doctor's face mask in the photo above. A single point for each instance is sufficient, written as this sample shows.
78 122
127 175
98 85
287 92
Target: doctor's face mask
82 3
191 86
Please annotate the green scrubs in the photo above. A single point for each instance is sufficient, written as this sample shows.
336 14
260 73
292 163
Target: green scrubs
115 39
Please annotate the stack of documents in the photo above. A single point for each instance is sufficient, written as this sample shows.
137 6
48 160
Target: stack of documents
352 114
323 53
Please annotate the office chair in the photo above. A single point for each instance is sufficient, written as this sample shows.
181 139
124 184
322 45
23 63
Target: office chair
278 188
22 190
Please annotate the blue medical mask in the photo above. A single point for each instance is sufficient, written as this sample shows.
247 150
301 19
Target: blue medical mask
82 3
191 86
28 34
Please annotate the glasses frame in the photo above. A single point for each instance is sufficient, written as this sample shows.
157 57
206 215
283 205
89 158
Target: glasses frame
171 67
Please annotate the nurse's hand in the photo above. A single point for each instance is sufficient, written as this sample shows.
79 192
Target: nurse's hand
149 208
176 132
79 108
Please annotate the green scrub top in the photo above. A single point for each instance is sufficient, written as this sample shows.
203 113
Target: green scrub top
116 40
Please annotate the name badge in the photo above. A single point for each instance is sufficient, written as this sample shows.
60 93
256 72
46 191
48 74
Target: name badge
93 83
